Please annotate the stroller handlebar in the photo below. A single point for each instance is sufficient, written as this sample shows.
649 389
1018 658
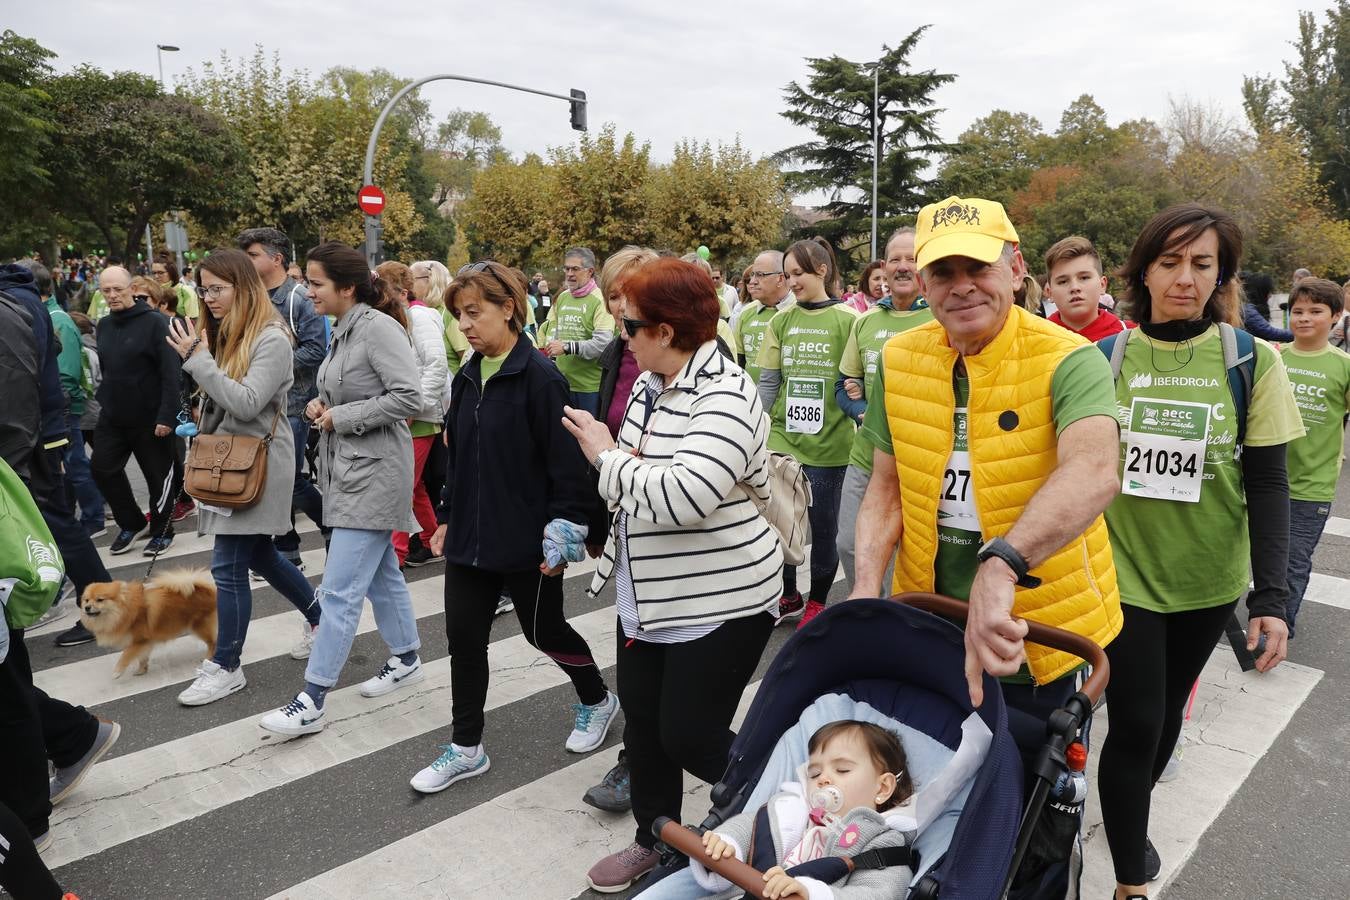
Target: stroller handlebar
676 836
1045 635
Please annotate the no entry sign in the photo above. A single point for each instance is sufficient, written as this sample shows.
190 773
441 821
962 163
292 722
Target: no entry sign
371 200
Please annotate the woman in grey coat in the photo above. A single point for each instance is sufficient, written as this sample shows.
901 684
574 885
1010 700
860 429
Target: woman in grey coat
242 365
368 388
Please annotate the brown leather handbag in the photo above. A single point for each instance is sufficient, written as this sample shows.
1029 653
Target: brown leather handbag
228 470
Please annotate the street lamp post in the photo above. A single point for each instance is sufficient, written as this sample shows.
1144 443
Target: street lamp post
876 152
160 50
374 230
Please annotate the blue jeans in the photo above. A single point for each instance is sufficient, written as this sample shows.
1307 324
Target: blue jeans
304 495
234 555
827 485
80 477
585 400
361 564
1307 518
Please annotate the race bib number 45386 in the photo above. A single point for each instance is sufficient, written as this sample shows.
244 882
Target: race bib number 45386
1165 450
805 408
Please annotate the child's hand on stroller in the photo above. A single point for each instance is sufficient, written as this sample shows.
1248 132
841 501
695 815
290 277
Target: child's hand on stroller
717 846
778 883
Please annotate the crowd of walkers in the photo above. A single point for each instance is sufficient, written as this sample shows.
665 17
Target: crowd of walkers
955 439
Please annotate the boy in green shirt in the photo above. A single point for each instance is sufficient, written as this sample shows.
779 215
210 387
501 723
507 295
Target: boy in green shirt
1319 375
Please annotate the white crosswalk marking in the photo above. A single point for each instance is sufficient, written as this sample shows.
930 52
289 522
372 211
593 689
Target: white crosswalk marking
159 788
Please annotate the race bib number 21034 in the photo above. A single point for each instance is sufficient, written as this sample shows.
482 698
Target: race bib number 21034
1165 450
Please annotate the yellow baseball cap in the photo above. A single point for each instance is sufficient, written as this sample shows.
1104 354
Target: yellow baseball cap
961 227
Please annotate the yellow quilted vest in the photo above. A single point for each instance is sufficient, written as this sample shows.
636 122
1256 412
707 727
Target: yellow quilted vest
1011 375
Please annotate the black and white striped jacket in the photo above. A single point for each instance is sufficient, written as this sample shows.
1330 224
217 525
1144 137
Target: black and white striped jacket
699 551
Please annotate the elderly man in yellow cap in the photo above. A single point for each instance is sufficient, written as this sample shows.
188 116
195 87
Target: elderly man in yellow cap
996 454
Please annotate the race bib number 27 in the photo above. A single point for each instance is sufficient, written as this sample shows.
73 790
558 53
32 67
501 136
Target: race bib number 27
1165 450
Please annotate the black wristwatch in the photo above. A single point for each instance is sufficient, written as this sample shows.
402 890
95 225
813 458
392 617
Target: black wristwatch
1008 553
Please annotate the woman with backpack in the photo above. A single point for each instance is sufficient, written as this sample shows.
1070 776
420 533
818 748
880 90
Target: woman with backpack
1203 437
696 569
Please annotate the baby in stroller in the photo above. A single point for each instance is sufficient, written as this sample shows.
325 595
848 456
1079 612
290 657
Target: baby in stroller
822 824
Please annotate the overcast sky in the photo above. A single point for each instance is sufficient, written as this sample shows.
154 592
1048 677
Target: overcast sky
705 70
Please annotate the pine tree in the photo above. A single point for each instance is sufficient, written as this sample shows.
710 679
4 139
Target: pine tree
836 104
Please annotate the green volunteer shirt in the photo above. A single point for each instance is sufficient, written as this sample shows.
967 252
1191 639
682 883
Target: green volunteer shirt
1081 387
491 365
748 330
805 345
1321 383
456 344
862 353
187 302
577 319
1175 407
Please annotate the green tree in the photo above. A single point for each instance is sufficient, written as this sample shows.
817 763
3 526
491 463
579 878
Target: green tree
1317 84
128 154
507 216
598 195
837 105
461 146
25 139
995 157
722 198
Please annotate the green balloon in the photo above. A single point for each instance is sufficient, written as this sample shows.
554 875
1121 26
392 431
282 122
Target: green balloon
140 256
206 253
70 247
703 251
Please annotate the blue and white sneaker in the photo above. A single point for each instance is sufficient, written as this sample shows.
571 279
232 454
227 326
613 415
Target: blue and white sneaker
298 717
451 766
592 724
392 676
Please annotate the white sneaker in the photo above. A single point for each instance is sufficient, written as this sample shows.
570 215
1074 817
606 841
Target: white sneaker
504 605
449 767
211 684
592 724
392 676
298 717
302 649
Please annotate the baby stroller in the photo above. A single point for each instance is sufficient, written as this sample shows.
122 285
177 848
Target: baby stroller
903 667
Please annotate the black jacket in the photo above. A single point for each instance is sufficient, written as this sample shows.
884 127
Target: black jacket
609 361
501 439
18 283
19 386
141 371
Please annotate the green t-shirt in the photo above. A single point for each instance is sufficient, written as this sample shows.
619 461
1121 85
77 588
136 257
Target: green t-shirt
456 344
187 302
1081 387
573 319
749 327
805 346
1171 555
862 354
491 365
1321 383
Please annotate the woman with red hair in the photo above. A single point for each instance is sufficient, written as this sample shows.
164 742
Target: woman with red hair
694 565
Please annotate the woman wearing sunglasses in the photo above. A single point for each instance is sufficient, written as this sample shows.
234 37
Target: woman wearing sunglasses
500 531
695 568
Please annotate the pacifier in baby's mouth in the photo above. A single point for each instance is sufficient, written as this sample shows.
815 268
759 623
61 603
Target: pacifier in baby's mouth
825 801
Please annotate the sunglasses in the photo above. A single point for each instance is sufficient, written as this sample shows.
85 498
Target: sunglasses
633 326
490 268
143 298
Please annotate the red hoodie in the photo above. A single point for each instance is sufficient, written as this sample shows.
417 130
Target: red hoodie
1105 325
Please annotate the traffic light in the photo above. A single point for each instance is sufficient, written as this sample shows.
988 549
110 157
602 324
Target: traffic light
578 110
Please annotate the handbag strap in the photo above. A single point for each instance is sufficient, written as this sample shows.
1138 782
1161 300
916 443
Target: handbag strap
275 419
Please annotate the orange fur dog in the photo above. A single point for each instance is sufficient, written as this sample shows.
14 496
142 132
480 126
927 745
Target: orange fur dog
134 617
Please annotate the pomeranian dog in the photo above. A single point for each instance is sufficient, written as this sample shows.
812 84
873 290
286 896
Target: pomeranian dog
133 617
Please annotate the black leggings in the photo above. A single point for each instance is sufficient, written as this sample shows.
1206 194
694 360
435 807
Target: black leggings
470 606
23 874
678 701
1154 663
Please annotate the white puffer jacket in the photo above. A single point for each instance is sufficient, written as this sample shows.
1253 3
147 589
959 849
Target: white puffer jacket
433 374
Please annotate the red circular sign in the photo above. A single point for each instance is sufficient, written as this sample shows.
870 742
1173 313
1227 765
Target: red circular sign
371 200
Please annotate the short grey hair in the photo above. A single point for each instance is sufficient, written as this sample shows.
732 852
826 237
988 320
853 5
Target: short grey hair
585 254
41 274
775 255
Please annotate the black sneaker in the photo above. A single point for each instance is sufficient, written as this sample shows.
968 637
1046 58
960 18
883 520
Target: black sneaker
420 556
125 538
614 792
158 545
1152 861
74 636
